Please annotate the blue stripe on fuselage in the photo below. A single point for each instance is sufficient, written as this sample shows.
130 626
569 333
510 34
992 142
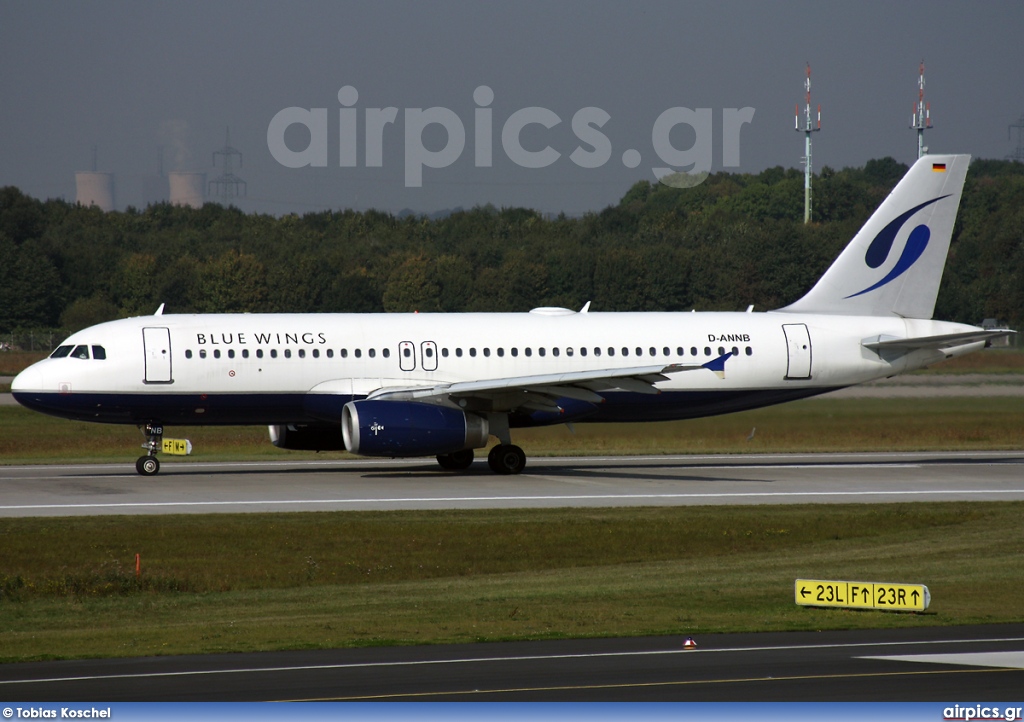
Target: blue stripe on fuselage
267 409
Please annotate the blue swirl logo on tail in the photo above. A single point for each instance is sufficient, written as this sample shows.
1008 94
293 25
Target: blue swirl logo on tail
881 245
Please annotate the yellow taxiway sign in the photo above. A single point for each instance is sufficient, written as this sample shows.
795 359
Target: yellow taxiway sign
862 595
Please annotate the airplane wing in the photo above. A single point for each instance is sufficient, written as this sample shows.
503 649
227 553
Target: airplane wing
882 343
540 392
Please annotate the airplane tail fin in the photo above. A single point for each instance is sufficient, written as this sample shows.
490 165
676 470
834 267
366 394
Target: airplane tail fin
894 264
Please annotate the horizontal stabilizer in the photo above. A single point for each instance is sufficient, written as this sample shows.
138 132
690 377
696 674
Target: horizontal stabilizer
948 340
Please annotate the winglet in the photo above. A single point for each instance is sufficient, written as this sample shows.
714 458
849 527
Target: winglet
718 365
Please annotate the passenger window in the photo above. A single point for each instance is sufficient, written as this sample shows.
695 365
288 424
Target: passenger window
458 352
501 352
707 350
259 353
61 352
597 350
583 350
330 353
358 353
287 353
611 351
386 353
302 353
542 351
99 353
188 353
344 353
639 351
721 351
680 351
231 353
750 351
80 352
693 350
472 352
487 352
554 351
515 352
202 353
735 351
568 352
372 353
444 352
273 353
216 353
407 352
625 351
245 353
529 351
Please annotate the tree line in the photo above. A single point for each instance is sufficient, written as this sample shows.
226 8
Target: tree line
735 240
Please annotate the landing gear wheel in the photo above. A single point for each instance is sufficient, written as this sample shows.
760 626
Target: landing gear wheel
456 461
506 459
147 465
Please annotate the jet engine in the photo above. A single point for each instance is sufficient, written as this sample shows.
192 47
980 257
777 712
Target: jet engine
307 438
409 428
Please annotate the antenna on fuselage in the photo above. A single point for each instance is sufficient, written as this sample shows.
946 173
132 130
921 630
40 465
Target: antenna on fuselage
160 311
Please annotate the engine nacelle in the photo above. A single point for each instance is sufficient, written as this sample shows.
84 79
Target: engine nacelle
307 438
409 428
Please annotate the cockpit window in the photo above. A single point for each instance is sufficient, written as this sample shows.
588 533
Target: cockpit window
80 352
61 351
99 353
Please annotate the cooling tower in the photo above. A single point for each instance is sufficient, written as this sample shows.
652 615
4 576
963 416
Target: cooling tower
187 189
95 189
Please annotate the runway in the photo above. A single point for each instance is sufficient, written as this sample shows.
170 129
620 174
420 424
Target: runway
201 488
976 664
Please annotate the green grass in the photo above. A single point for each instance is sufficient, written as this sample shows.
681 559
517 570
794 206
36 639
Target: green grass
917 424
285 581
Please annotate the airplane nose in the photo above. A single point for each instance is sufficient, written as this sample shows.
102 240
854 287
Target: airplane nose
31 379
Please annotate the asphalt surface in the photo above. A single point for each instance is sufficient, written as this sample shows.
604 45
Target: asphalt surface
201 488
984 663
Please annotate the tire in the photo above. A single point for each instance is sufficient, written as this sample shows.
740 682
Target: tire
506 459
147 465
456 461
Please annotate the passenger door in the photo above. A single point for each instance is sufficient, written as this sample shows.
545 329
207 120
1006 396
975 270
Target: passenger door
156 343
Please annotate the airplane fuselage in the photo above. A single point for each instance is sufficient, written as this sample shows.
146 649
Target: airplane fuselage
303 368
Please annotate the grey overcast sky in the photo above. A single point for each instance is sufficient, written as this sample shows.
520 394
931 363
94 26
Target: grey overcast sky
130 77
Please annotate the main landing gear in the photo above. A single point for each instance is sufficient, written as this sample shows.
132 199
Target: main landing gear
506 459
149 465
503 459
456 461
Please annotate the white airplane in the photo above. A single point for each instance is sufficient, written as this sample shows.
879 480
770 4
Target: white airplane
407 385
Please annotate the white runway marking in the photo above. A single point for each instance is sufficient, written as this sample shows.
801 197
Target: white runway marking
1001 660
567 498
536 657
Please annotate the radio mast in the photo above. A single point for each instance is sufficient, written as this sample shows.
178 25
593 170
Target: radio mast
921 120
1017 155
807 130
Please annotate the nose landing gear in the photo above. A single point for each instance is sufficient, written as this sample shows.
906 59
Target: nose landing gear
149 465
